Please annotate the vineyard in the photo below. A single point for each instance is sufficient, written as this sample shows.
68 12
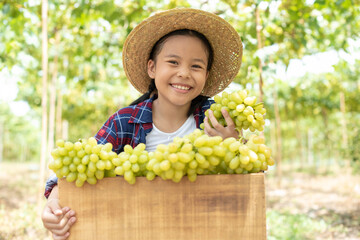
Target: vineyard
295 100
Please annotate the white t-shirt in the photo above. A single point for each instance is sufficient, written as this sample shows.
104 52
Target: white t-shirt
156 137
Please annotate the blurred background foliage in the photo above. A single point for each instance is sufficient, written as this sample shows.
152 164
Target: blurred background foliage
313 116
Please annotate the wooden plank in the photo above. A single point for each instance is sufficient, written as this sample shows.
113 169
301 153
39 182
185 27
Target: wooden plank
213 207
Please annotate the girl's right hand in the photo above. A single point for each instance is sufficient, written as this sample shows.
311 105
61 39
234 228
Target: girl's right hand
56 219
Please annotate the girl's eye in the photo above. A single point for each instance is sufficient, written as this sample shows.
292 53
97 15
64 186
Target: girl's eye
197 66
172 62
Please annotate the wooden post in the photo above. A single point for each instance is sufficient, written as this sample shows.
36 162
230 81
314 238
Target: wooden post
278 139
44 99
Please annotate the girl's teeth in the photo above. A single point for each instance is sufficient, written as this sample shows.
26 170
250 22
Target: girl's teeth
181 87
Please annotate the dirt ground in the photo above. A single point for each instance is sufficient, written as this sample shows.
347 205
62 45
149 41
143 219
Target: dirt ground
333 197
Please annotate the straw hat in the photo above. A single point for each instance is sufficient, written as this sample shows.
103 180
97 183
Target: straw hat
224 39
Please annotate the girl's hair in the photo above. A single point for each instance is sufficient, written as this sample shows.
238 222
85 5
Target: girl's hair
196 102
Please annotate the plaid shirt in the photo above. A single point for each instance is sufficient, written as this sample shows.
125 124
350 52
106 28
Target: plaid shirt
130 125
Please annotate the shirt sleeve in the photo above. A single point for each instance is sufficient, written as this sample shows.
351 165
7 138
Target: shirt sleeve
107 133
50 184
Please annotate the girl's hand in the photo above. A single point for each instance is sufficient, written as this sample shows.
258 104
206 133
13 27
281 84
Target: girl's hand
56 219
218 129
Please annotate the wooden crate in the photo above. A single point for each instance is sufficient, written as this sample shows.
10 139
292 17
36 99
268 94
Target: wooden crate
213 207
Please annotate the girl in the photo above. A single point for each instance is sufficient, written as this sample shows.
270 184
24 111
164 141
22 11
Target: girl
178 59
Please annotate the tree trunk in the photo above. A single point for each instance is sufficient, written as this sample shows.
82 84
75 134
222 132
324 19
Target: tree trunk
278 157
53 95
310 147
343 123
299 136
1 141
44 10
59 115
259 46
65 129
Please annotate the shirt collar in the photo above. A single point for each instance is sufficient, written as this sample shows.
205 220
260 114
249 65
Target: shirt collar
142 112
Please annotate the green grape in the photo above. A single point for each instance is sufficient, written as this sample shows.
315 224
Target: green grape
193 164
165 165
96 149
192 177
92 141
77 146
82 177
72 167
234 147
244 159
99 174
183 157
206 151
213 160
116 161
79 183
186 148
71 177
91 180
92 166
135 167
90 173
133 158
80 154
128 175
66 160
200 158
169 173
81 168
234 163
108 165
150 175
179 166
107 147
60 143
104 155
85 160
119 170
143 158
100 165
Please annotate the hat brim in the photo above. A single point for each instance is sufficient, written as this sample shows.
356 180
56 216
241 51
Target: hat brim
225 41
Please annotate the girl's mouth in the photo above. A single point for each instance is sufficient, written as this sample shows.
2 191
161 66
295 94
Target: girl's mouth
181 87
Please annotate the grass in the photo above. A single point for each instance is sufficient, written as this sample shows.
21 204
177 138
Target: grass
284 226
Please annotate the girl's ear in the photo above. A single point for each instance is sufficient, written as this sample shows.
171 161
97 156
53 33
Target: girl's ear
151 69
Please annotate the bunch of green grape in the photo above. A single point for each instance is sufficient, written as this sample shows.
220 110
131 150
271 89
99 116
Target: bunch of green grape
192 155
132 163
242 108
82 161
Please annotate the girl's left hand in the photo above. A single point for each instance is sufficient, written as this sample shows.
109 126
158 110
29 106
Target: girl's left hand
218 129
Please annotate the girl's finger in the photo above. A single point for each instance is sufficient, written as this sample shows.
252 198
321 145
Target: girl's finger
229 122
208 129
61 237
59 225
66 223
214 121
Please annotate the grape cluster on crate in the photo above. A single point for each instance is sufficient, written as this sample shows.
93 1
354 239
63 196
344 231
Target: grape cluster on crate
192 155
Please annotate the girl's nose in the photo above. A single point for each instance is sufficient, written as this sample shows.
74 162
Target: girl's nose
183 72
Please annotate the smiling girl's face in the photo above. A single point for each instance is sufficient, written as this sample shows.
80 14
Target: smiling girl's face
180 70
